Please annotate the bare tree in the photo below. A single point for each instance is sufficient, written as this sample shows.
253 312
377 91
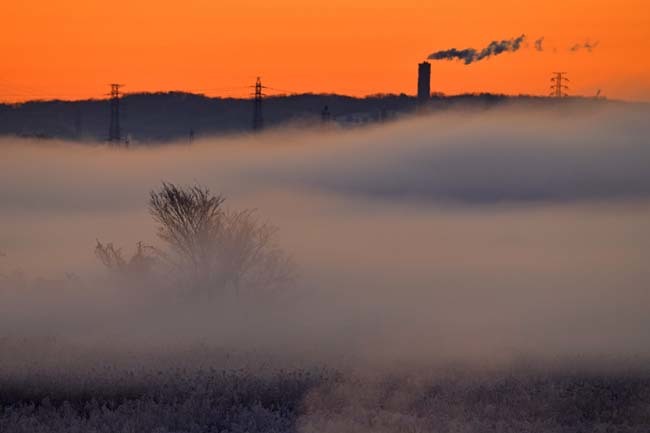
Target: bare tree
218 249
190 220
249 253
208 249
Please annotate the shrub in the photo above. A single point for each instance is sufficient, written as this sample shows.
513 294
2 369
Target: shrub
141 263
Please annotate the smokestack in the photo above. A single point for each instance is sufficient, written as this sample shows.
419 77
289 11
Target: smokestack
424 81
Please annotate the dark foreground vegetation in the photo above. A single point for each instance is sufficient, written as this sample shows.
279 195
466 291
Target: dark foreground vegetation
317 400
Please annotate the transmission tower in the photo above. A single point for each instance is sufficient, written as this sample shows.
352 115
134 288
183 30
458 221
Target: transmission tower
558 86
258 120
114 133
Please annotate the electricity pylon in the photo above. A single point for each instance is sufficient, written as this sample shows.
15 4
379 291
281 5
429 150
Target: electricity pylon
258 120
558 86
114 132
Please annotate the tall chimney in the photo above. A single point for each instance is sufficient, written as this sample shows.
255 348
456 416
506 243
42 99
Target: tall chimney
424 81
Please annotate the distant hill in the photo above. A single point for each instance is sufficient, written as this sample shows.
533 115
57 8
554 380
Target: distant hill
160 117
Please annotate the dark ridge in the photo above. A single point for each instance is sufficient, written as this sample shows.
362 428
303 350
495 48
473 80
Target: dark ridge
160 117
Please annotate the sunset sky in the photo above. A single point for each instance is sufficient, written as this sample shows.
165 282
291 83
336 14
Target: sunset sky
73 49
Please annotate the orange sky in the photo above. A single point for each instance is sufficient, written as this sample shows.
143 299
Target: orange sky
74 48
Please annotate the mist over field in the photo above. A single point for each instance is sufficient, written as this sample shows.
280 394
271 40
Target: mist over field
512 239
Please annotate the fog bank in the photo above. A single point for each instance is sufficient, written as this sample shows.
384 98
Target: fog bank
481 238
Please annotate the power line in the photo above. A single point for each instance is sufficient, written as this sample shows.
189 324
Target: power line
28 94
281 90
190 90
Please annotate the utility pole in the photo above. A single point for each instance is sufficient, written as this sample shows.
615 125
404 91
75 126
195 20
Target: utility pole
258 120
558 86
326 115
114 133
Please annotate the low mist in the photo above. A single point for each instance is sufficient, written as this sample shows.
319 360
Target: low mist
483 238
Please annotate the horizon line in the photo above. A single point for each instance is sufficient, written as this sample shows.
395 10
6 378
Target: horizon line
435 95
